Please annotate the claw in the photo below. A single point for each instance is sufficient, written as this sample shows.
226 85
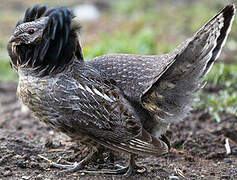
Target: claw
71 168
124 171
77 167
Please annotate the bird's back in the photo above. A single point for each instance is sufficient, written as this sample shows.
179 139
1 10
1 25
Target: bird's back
135 74
163 86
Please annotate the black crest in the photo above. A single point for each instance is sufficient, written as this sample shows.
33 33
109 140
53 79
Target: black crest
58 43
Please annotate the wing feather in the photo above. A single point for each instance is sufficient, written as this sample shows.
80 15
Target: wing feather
96 108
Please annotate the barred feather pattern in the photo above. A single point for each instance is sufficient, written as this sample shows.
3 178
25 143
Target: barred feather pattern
171 96
85 106
164 85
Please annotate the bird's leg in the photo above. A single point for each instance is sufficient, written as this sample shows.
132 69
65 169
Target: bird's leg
76 166
126 171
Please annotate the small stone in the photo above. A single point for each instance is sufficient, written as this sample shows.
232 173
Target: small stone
174 177
51 132
141 170
227 160
225 177
21 164
39 177
18 156
48 143
7 173
25 177
234 152
189 158
83 174
7 168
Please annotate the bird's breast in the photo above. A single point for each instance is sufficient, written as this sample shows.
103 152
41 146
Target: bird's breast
34 93
47 99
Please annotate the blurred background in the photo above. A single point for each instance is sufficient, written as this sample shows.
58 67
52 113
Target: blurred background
140 27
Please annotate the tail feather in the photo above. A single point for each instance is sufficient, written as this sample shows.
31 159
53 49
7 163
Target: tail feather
170 98
228 14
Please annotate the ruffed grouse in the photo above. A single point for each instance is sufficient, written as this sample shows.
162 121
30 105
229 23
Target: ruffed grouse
123 102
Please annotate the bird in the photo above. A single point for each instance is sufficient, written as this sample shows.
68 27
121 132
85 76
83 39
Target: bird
123 102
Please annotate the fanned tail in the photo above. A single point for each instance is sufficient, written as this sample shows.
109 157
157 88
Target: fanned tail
170 98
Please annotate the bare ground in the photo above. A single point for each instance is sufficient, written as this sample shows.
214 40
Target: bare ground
198 148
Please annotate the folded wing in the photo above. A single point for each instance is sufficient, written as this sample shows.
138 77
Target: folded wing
97 109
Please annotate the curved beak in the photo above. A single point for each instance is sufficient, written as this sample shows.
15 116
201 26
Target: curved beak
12 39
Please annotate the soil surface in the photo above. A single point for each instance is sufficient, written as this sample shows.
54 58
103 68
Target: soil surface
198 148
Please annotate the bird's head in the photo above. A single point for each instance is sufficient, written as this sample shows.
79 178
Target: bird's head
46 40
29 32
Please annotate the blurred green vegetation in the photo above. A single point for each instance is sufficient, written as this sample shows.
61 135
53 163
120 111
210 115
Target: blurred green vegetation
143 27
6 73
225 100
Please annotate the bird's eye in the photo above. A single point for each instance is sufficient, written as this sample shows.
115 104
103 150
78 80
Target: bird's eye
31 31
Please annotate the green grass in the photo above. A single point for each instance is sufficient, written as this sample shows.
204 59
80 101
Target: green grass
141 42
224 74
6 73
224 101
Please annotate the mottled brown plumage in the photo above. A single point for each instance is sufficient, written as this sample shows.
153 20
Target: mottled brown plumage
123 102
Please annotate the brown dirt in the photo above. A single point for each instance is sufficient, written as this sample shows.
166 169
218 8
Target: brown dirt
198 147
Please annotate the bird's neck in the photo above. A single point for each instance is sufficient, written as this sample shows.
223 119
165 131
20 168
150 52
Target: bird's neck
34 72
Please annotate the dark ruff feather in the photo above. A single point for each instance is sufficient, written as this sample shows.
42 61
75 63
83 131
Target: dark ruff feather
57 46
